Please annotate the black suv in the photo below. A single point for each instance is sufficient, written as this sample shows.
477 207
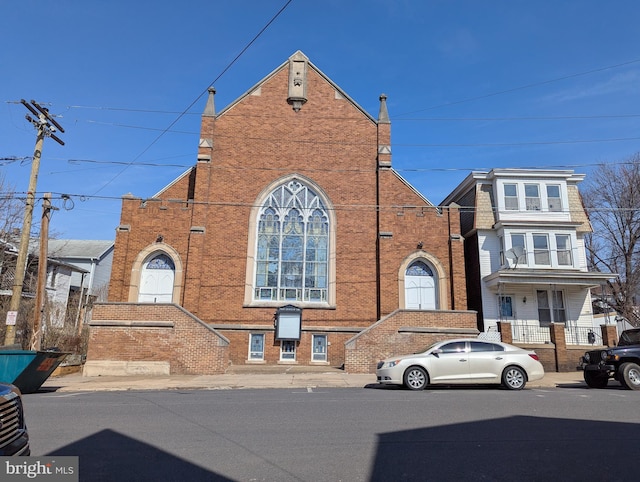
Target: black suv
14 439
622 363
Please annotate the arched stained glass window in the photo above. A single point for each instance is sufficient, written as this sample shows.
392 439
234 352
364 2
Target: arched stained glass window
419 268
292 246
161 261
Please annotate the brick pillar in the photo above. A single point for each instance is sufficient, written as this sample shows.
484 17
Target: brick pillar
556 330
609 335
506 335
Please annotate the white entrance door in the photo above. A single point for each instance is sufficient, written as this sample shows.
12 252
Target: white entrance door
419 287
156 280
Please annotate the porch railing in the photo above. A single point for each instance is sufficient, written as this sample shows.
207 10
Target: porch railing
574 335
582 335
530 334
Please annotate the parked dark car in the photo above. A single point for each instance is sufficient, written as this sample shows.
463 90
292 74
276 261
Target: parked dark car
14 439
622 363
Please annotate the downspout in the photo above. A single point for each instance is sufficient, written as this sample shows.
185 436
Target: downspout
451 283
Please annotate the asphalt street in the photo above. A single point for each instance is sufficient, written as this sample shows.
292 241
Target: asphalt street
370 433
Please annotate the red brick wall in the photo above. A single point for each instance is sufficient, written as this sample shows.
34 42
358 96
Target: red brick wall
404 332
328 141
411 221
257 141
136 332
238 348
546 354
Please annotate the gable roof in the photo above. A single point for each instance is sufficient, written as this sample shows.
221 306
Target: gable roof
285 65
79 248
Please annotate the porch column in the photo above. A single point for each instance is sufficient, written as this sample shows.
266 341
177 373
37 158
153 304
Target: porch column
609 335
556 332
506 335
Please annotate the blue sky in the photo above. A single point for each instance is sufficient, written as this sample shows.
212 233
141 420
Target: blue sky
471 85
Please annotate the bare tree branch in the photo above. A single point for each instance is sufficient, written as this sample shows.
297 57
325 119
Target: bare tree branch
612 199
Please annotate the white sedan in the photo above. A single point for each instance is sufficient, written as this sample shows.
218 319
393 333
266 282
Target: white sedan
462 361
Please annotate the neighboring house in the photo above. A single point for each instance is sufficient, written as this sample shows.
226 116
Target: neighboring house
94 259
93 256
294 212
524 252
8 257
58 283
61 307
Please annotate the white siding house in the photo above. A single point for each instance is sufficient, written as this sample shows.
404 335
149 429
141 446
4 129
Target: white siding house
524 252
93 256
57 284
58 289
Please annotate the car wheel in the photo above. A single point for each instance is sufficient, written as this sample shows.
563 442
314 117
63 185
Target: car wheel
630 376
514 378
416 378
595 379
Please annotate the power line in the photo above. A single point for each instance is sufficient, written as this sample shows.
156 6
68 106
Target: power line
407 119
395 144
521 118
406 209
527 143
349 170
286 169
469 99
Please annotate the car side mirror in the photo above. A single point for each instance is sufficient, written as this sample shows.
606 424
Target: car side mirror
437 352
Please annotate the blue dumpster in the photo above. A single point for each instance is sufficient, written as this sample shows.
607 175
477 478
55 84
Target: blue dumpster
28 369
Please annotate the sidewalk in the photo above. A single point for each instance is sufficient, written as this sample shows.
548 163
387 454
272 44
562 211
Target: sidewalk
284 377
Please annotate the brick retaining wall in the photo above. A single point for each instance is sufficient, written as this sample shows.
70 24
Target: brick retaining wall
152 338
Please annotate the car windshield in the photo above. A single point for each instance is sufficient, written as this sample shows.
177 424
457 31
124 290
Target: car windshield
428 348
630 337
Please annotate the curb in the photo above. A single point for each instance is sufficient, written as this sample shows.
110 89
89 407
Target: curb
77 383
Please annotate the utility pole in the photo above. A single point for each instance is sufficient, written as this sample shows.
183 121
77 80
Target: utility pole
46 126
36 335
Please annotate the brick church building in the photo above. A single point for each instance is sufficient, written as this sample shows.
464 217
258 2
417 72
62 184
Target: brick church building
292 240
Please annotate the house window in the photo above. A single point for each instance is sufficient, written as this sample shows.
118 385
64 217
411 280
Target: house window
559 311
519 248
506 307
292 246
256 346
551 307
541 249
319 348
287 350
511 197
52 279
553 197
532 197
563 247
